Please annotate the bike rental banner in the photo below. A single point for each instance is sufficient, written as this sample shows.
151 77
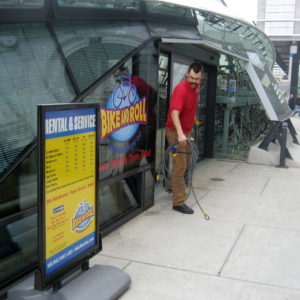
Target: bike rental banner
127 126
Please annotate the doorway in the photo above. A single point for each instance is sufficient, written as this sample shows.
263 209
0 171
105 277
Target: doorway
179 68
172 70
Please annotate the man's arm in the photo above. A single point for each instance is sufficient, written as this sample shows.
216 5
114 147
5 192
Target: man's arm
175 118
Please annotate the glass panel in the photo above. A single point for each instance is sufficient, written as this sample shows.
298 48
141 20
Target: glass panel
257 42
118 198
235 36
18 248
211 26
18 240
128 100
199 131
222 31
274 94
163 81
22 4
240 119
19 191
179 73
168 9
31 72
163 106
234 44
108 4
255 59
173 30
149 188
92 48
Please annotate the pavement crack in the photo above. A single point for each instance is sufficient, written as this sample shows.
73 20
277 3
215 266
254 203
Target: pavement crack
265 186
127 265
231 250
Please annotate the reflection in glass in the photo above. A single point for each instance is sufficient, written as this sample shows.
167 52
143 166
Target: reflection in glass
126 144
199 130
130 5
18 240
179 74
21 4
92 48
19 190
131 145
31 72
149 188
18 247
118 198
156 7
235 36
173 30
163 81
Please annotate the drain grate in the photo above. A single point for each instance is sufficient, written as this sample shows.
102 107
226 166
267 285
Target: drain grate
217 179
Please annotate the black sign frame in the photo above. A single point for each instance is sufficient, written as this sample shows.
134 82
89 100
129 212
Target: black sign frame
45 281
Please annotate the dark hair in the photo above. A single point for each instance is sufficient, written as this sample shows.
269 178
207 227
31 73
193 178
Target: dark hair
196 67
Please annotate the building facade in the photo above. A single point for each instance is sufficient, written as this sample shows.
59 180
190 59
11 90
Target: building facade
126 56
280 20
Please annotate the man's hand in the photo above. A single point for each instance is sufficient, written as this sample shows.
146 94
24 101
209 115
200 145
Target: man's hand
182 138
175 118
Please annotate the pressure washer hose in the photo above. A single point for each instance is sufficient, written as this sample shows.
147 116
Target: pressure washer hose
188 175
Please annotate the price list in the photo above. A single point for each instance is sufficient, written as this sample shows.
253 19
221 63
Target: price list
69 160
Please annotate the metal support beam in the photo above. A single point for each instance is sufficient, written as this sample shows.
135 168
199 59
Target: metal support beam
283 149
278 132
271 136
292 131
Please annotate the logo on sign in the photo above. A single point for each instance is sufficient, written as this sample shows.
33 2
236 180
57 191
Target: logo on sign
124 113
83 217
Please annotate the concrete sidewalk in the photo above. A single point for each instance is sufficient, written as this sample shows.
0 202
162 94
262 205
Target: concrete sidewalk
249 249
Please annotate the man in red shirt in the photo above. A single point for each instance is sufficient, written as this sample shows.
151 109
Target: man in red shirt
181 117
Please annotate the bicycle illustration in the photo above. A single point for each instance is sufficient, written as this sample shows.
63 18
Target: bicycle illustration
125 91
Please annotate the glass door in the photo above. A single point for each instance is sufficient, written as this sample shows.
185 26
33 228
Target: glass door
173 70
163 106
200 129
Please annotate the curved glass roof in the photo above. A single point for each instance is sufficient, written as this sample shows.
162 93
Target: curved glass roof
214 20
218 24
210 23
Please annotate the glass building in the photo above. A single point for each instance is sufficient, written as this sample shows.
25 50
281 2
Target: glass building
95 51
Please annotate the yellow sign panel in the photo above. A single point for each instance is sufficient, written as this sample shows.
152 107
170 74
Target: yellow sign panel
70 179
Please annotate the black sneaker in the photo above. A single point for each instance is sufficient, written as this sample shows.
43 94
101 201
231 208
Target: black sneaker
183 209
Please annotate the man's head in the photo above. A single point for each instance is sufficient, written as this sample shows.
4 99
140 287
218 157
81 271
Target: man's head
194 74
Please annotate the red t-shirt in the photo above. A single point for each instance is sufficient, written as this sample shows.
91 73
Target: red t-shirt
185 100
142 87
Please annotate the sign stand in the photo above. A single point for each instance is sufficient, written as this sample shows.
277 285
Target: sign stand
99 282
68 210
